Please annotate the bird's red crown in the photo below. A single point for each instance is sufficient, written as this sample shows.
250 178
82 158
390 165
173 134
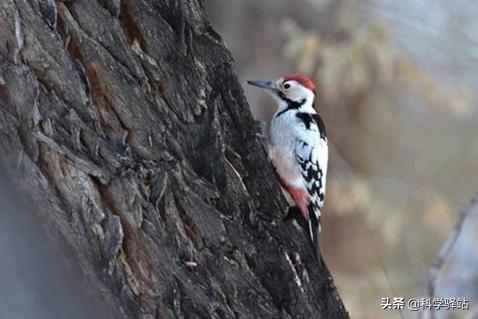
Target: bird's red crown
301 78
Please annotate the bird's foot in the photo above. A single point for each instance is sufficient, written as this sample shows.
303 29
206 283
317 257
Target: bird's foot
292 213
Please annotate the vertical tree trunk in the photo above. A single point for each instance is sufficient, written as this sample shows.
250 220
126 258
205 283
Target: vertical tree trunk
455 274
127 127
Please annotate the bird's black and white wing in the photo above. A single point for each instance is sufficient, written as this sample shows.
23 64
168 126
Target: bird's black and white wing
312 154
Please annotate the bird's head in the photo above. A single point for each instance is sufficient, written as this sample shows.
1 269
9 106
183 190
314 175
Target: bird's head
290 89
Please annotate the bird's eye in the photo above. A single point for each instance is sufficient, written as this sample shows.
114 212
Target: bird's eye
286 86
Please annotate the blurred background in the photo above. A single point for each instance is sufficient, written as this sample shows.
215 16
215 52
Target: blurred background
396 88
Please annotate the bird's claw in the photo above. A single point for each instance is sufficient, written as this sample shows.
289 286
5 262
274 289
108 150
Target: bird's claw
293 212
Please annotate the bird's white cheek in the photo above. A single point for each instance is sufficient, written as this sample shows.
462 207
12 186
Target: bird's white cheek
301 93
295 96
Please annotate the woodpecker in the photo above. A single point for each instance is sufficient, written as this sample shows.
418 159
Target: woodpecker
298 148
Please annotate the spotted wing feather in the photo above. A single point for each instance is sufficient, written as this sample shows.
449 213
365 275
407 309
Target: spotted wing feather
312 156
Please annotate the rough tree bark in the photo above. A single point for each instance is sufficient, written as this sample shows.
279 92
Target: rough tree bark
129 131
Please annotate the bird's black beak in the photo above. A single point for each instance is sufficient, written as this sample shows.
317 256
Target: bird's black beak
268 85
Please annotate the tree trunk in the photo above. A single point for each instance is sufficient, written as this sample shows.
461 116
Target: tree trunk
455 274
127 128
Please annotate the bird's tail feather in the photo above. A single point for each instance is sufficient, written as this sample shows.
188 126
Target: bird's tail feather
314 231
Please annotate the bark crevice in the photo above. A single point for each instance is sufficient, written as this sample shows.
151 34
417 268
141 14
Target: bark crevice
127 128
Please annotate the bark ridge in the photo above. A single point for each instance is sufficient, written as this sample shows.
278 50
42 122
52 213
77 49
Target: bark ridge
127 127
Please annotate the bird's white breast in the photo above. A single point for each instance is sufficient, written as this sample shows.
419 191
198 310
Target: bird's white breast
283 140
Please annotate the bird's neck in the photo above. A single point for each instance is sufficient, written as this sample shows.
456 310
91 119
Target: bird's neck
285 105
